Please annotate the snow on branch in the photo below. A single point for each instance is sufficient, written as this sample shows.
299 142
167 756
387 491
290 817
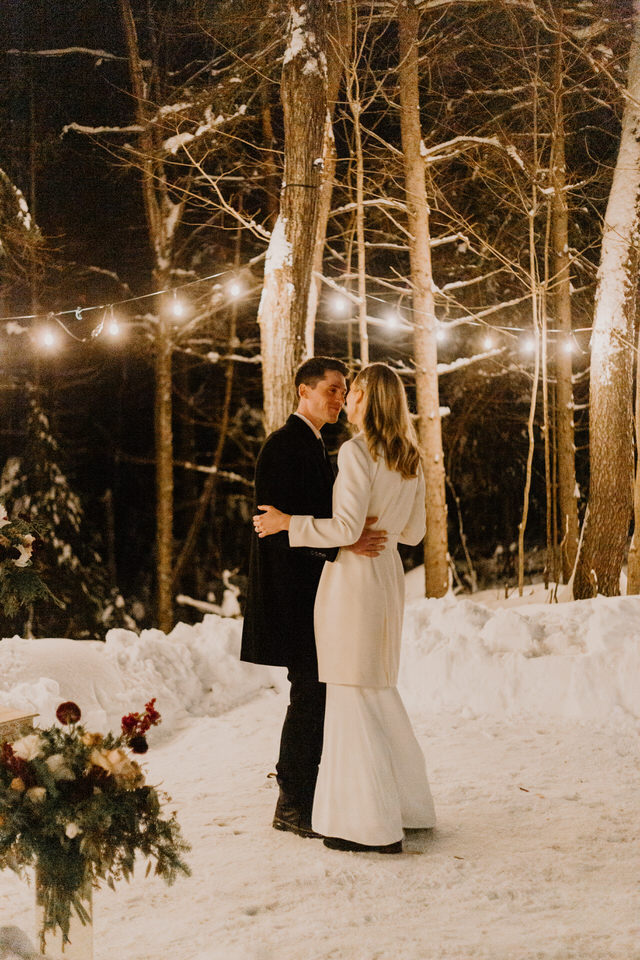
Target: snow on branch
93 131
210 123
70 51
452 148
461 362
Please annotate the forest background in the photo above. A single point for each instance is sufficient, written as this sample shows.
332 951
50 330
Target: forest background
195 195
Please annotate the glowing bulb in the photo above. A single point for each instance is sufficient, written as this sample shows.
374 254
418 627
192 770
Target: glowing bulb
528 345
113 328
441 334
235 290
568 346
487 343
48 339
178 308
340 304
393 319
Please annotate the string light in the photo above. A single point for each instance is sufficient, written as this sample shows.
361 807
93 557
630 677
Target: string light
568 346
235 289
340 304
113 327
441 334
528 345
48 338
487 343
393 319
178 308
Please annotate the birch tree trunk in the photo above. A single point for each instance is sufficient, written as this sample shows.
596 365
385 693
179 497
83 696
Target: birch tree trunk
161 224
606 529
561 284
282 312
336 49
425 343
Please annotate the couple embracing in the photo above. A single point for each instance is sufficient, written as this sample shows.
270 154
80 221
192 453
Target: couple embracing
325 600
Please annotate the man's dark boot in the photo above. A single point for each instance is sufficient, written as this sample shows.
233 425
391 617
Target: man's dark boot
292 816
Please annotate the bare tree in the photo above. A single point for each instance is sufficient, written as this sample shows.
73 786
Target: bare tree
288 268
425 339
611 422
561 290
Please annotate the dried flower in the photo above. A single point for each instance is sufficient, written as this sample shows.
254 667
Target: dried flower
36 794
29 747
59 768
68 712
72 830
4 516
92 739
17 784
25 549
139 744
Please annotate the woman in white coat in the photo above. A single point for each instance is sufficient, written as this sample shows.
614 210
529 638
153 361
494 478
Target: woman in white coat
372 780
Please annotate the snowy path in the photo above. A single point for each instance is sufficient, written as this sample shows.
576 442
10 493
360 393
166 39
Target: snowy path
535 854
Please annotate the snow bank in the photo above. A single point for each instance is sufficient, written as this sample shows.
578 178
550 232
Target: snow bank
194 671
578 660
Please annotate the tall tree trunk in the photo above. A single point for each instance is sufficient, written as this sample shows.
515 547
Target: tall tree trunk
606 529
336 58
633 562
287 276
561 284
425 343
158 210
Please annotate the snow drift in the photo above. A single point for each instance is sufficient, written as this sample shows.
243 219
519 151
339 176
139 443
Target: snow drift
578 660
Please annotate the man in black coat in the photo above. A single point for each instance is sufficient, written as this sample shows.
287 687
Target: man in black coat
294 474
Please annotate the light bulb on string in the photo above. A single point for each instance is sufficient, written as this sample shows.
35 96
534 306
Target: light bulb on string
568 346
487 343
339 304
235 289
529 345
392 319
47 338
178 308
441 334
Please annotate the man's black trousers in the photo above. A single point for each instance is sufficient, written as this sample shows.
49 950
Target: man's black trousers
301 741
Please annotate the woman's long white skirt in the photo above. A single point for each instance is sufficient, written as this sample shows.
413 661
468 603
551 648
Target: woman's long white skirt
372 780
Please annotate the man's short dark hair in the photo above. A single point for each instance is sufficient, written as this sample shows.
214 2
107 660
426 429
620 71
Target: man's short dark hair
314 369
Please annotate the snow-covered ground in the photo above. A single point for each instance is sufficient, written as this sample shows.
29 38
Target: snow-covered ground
529 717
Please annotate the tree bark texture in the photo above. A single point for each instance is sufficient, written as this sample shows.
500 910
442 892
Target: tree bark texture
561 287
611 389
282 312
425 342
161 224
633 561
338 33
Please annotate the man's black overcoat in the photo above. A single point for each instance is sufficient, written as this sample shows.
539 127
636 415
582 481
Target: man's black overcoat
292 474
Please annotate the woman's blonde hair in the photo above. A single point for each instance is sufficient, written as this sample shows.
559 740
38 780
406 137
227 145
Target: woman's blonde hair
386 421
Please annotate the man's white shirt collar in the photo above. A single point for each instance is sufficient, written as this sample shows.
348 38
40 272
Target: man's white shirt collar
309 424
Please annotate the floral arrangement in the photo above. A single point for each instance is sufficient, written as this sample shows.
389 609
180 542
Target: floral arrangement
20 583
76 805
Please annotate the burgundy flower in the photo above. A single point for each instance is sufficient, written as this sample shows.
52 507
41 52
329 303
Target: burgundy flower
137 724
68 712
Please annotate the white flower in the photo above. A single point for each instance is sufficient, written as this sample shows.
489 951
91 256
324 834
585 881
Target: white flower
4 516
72 830
36 794
26 549
59 768
29 747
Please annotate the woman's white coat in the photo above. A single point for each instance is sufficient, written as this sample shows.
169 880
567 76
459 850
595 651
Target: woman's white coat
360 600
